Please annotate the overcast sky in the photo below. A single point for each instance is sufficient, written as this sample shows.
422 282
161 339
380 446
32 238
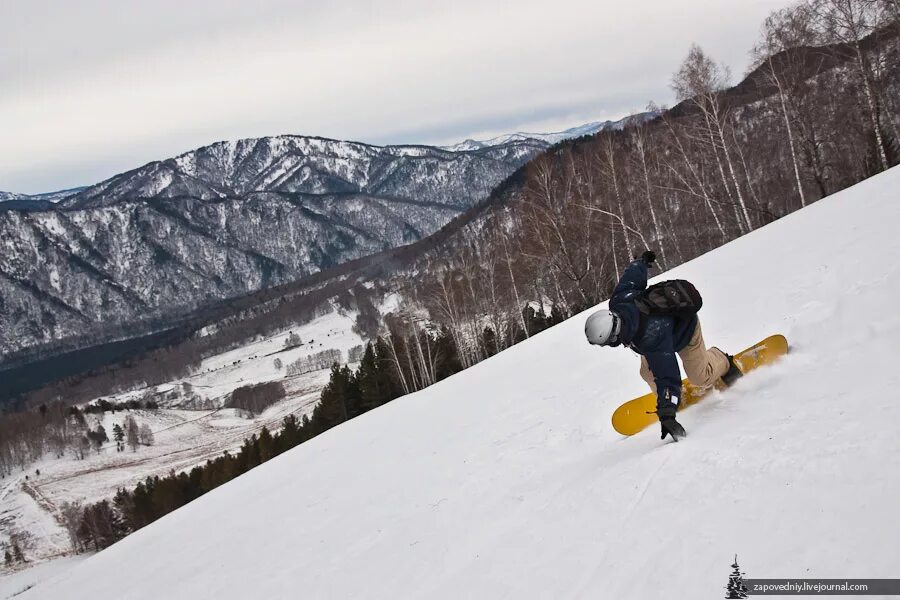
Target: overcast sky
90 88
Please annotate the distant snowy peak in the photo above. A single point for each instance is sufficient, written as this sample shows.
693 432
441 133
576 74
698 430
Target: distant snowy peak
47 196
551 138
58 195
30 202
8 196
471 145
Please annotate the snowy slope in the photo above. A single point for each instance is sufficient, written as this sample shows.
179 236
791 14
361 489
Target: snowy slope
14 584
507 481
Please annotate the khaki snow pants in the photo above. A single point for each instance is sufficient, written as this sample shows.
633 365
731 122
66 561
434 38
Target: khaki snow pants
703 366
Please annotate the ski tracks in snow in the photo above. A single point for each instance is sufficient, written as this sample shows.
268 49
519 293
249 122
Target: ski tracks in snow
9 488
643 489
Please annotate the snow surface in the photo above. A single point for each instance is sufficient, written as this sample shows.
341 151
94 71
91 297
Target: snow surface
14 584
24 508
507 480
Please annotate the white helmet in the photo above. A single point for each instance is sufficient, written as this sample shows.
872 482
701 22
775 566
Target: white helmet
602 328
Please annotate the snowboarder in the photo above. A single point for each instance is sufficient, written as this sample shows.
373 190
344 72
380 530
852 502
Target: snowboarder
657 336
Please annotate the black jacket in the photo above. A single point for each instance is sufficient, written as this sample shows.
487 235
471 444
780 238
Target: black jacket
656 337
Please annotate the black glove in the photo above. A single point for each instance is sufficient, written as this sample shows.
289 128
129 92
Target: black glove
671 427
649 257
664 431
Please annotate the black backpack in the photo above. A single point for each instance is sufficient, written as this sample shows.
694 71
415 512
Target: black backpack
676 297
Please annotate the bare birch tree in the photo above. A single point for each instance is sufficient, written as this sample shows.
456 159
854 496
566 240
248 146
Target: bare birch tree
848 22
701 81
784 32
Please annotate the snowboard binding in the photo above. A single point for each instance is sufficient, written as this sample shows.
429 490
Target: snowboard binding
733 373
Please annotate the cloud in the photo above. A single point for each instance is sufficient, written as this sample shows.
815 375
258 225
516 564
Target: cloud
93 88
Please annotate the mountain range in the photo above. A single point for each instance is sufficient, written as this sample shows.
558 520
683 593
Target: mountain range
233 217
551 138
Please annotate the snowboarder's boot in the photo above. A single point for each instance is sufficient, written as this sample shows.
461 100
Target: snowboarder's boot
733 373
670 426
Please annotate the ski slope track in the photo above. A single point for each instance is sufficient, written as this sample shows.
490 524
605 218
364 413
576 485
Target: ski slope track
507 481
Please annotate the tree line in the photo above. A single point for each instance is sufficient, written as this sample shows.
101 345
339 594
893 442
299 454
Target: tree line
314 362
103 405
818 111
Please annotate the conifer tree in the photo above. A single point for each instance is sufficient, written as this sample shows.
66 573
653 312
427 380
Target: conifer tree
249 454
143 510
7 558
334 407
290 434
119 436
736 587
373 381
266 445
101 434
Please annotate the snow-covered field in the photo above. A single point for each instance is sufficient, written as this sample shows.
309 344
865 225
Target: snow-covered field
507 480
254 363
183 438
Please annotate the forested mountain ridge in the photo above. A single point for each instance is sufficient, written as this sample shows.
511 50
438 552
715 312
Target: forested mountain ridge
818 112
221 221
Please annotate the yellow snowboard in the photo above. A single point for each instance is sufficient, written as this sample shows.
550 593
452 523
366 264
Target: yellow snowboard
636 414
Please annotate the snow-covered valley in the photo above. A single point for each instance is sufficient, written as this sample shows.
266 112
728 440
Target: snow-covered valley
507 481
189 429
